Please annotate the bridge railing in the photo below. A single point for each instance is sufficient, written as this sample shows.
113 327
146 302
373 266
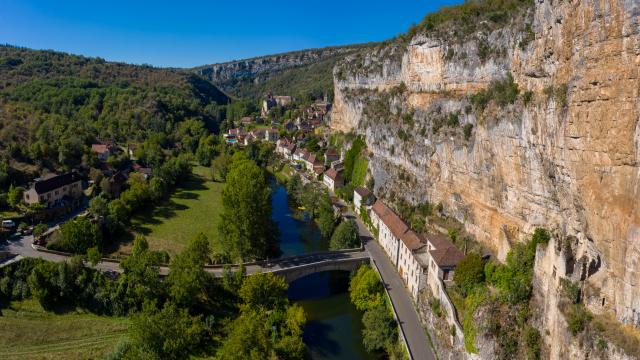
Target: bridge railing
270 262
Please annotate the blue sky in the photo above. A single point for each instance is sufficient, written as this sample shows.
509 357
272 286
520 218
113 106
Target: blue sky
188 33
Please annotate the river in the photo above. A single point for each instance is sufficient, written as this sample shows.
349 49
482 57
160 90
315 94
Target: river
334 325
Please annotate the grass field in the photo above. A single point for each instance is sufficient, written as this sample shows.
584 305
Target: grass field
28 332
192 209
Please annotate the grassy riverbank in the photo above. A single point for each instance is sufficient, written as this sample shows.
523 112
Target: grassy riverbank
192 209
28 332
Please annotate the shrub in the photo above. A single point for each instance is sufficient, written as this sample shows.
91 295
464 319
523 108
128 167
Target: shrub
578 317
467 131
469 273
532 337
570 290
435 306
502 92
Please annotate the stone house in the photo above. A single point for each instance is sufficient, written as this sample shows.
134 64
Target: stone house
330 156
55 189
361 197
409 264
390 229
333 179
103 151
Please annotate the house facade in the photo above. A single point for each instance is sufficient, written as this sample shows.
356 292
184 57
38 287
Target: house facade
52 190
409 267
390 229
361 197
333 179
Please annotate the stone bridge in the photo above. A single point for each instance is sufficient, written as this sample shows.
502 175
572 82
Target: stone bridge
295 267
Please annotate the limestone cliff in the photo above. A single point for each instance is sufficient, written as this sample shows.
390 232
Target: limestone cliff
564 155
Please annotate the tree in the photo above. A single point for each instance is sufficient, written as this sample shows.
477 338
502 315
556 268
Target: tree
169 333
99 207
187 278
294 185
380 328
79 235
469 272
365 289
345 236
94 256
246 228
14 196
141 278
326 218
273 334
220 167
40 229
263 291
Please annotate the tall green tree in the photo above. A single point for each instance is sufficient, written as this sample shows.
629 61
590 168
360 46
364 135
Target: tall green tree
187 277
246 229
326 217
345 236
141 278
365 289
264 291
380 328
79 235
168 333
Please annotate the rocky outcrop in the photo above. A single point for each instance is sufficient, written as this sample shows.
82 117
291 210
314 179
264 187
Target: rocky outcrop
565 155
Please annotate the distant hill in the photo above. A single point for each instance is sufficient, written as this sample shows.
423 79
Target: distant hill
299 73
53 105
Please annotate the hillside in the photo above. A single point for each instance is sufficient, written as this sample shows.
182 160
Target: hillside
516 115
299 73
54 105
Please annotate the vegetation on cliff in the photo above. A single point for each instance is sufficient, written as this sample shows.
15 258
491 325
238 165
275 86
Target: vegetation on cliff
459 22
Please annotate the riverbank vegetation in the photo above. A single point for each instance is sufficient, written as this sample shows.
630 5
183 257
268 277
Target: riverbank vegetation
190 313
380 332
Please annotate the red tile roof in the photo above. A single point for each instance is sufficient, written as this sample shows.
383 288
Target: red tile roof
363 191
332 174
439 241
100 148
390 219
412 240
447 257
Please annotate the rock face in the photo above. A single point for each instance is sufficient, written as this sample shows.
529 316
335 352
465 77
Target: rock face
252 69
565 157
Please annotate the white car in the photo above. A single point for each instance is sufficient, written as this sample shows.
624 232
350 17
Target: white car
8 224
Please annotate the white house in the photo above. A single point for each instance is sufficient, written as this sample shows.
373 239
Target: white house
442 260
52 190
409 265
390 229
333 179
361 196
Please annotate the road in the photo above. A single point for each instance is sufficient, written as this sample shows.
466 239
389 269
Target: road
408 318
22 247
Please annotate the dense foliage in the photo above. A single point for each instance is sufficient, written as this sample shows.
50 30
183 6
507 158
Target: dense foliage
345 236
380 329
246 228
54 105
458 22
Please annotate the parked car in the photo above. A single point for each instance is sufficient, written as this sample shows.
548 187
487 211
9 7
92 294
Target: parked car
8 224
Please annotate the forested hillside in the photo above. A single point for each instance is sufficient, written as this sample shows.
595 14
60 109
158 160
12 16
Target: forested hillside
303 74
54 105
